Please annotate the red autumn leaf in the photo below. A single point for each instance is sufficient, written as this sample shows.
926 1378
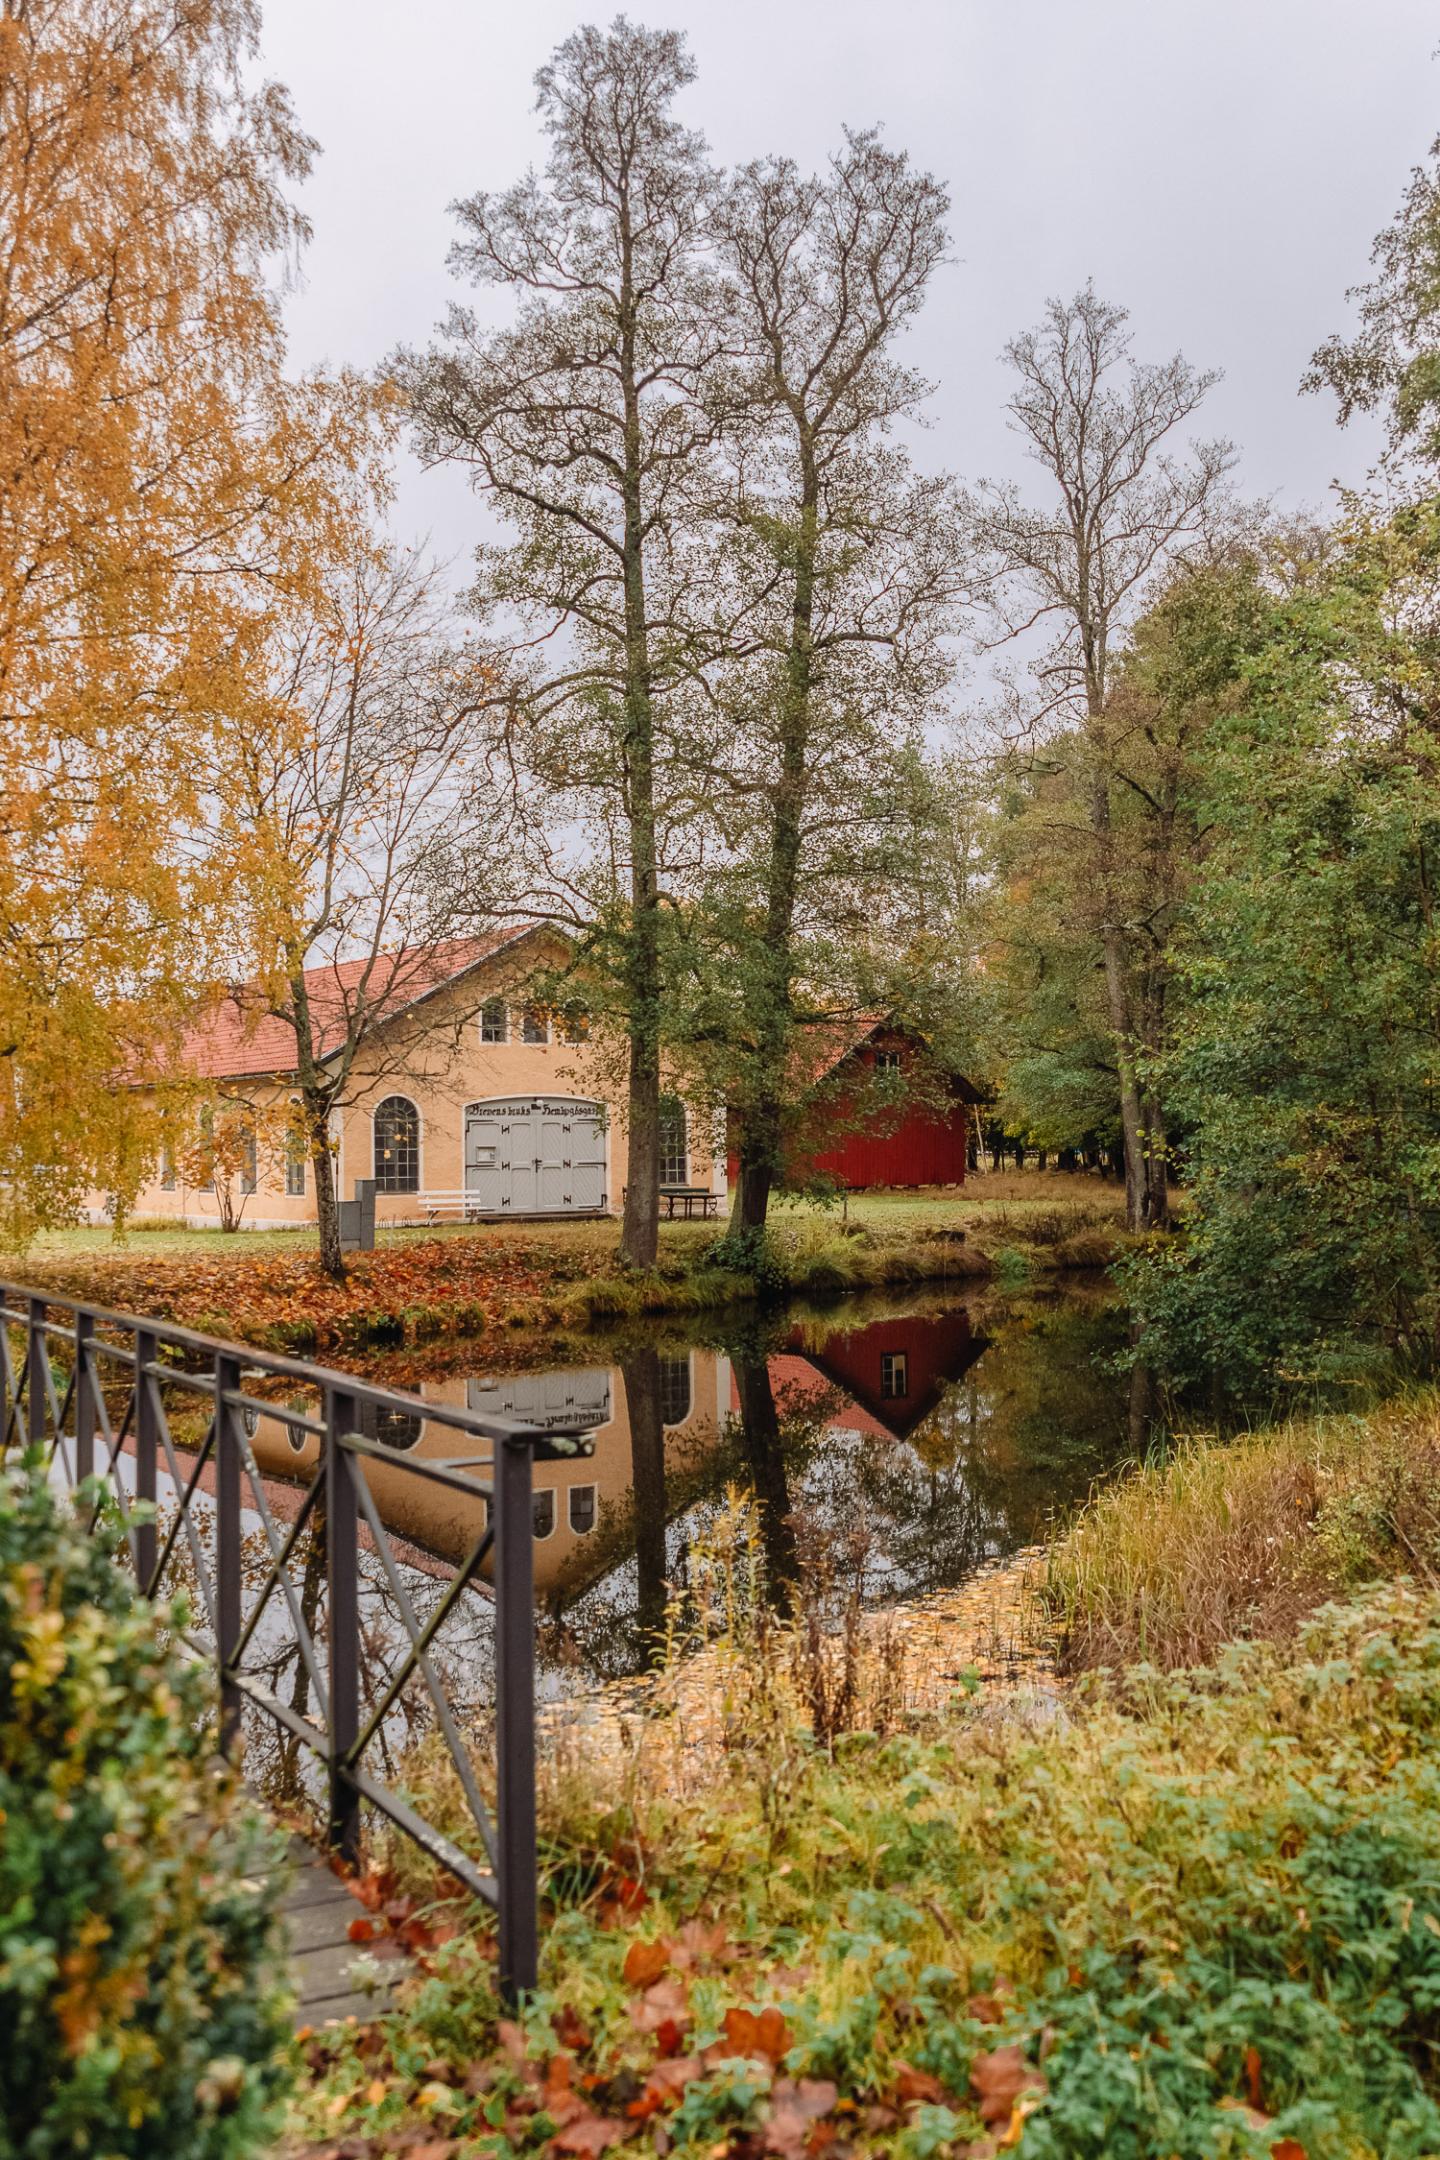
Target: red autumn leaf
665 2084
796 2106
764 2035
1287 2148
361 1931
668 2035
645 1961
1252 2078
571 2030
698 1943
590 2134
913 2084
513 2044
661 2006
998 2080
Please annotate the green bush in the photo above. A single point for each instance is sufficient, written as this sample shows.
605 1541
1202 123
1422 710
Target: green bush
140 2003
1198 1914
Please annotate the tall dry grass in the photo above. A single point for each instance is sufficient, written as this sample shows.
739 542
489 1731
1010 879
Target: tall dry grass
1222 1540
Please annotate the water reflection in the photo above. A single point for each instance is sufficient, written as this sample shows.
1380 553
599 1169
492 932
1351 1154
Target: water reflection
925 1437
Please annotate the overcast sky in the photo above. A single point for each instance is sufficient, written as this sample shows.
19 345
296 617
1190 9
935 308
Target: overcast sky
1219 167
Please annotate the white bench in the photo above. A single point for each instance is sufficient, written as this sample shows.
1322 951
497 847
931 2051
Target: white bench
462 1205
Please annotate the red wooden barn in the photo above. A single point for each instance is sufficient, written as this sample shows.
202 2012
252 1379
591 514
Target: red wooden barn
860 1141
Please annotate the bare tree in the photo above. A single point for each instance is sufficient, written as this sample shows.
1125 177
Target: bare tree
845 564
581 424
346 828
1132 503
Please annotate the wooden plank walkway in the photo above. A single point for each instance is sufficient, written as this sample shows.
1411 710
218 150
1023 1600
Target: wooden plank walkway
318 1913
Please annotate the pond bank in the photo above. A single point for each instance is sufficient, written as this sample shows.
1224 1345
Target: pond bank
461 1284
946 1922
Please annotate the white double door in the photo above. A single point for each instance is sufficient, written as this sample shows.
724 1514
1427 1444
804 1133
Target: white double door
535 1155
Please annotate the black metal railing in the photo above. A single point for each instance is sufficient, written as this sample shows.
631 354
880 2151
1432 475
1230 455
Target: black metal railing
97 1391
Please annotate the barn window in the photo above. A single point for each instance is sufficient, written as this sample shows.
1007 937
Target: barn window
674 1390
397 1145
674 1142
582 1509
534 1027
887 1061
492 1021
544 1514
894 1375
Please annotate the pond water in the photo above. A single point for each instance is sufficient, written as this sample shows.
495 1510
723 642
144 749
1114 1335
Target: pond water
897 1443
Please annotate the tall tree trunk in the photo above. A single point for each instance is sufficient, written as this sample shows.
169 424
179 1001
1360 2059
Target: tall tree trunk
641 1375
327 1206
640 1229
316 1099
1117 992
760 1145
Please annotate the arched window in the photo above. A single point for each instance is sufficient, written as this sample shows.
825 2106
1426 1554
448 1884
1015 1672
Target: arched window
674 1389
397 1145
397 1428
674 1142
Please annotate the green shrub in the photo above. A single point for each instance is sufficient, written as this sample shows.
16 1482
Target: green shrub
1201 1916
139 1998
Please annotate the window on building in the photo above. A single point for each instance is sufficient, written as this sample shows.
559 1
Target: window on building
249 1162
167 1166
534 1027
674 1142
674 1390
582 1509
397 1145
576 1028
894 1375
295 1160
493 1028
887 1061
397 1428
544 1514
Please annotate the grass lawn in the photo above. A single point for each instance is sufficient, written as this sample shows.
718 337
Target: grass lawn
989 1199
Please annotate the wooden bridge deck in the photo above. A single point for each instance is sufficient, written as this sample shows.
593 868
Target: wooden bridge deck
318 1913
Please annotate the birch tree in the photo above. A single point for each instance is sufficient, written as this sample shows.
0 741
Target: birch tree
1128 501
580 424
350 833
160 483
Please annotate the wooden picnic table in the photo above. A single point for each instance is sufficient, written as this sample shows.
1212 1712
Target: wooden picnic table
688 1200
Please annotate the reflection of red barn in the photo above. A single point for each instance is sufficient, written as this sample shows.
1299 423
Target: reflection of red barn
888 1376
862 1142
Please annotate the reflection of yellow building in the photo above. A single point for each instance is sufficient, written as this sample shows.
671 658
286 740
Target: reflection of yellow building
570 1495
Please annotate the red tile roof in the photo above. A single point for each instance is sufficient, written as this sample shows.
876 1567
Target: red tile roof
238 1038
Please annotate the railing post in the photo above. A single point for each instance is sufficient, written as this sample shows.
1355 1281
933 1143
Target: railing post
84 1396
342 1571
147 1450
227 1544
515 1718
37 1377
